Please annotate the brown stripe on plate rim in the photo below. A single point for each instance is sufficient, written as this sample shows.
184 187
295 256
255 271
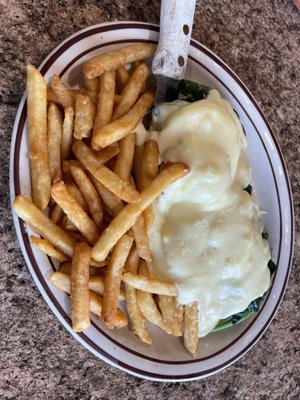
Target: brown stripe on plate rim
17 190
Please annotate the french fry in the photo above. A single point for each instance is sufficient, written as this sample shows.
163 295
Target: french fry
190 328
66 174
74 211
129 214
105 176
46 247
138 322
67 133
106 99
93 96
149 171
118 129
179 311
56 214
150 162
137 163
66 268
111 202
92 85
78 196
84 116
96 304
34 217
146 164
115 59
89 193
150 285
141 238
148 217
146 169
117 99
105 155
170 314
52 97
37 137
124 159
79 290
136 64
96 284
98 264
137 166
68 225
133 261
66 169
147 304
102 156
113 280
55 127
64 95
122 77
62 281
131 91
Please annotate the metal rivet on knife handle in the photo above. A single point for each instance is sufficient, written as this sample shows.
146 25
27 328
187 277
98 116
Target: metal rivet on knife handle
186 29
181 61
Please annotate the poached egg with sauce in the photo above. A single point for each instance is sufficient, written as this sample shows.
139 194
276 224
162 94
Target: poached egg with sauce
206 235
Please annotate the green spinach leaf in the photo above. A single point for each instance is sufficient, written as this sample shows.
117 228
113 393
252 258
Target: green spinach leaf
250 310
192 91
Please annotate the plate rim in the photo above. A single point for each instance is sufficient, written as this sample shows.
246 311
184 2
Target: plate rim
200 47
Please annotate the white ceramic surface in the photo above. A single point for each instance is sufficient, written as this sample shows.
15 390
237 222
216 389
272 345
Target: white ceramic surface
166 359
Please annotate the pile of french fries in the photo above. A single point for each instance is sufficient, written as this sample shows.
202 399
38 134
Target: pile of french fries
92 189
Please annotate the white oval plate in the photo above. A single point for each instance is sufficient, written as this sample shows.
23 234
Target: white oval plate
166 359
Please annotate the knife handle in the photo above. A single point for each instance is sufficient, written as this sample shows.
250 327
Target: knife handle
176 22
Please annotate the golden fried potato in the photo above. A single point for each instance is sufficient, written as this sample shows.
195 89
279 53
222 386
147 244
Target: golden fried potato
115 59
37 137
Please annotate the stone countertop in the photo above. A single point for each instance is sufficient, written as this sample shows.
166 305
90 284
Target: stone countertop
259 40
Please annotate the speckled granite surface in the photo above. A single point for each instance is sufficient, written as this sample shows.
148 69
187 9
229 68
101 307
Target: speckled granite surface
260 40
